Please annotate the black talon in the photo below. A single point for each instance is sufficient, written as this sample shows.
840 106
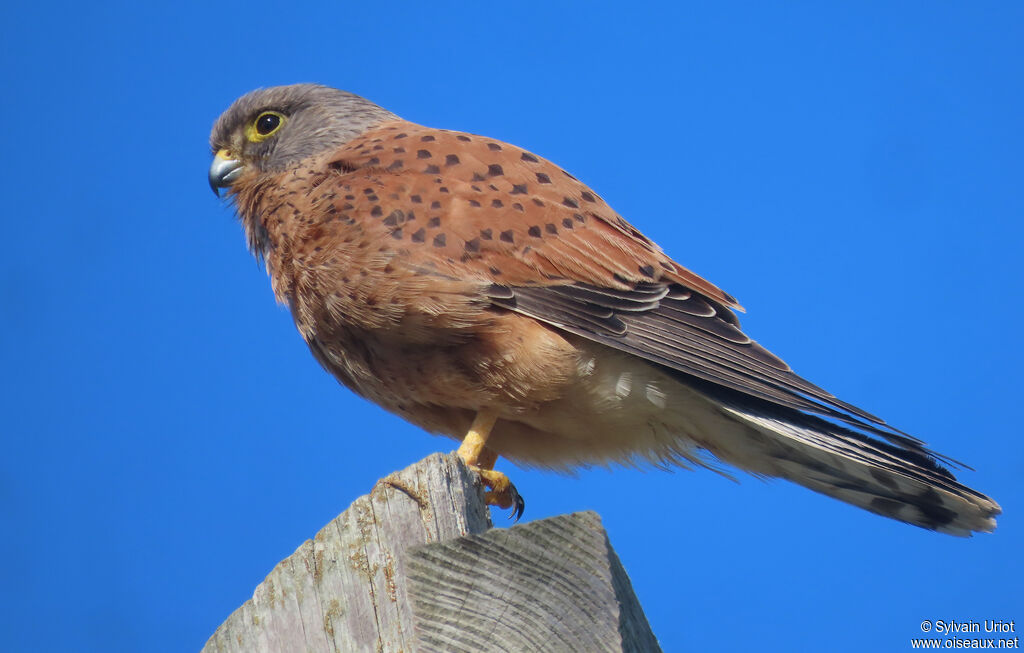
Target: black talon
518 507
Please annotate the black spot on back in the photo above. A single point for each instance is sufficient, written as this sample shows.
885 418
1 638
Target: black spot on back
395 218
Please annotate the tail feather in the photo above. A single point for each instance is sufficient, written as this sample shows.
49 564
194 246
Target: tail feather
906 484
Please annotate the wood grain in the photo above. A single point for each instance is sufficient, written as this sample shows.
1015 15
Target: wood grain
550 585
412 566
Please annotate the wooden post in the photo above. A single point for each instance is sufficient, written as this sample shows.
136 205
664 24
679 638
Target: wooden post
413 566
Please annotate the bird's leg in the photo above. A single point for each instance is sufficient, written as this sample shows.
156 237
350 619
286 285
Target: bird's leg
475 441
481 459
487 458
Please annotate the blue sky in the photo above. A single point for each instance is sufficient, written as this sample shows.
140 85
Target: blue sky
850 171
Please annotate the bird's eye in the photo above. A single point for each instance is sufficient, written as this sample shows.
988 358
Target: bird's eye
265 125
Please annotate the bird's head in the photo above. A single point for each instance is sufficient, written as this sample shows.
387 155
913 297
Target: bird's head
272 129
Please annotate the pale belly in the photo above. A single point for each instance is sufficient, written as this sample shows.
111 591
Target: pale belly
618 409
563 401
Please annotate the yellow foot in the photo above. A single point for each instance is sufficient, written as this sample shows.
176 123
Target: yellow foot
481 460
487 458
501 493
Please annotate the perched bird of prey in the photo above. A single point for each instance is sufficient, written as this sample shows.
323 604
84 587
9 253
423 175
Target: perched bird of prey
483 293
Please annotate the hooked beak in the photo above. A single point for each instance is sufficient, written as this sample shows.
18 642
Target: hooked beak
224 171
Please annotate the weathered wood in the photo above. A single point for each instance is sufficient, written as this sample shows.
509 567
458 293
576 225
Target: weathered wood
343 590
415 541
551 585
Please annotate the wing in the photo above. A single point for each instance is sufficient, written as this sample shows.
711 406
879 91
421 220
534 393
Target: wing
468 206
678 328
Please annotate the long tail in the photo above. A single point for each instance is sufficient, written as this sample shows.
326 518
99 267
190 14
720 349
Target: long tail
901 482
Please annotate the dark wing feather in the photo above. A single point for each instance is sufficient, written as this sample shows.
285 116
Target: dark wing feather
673 326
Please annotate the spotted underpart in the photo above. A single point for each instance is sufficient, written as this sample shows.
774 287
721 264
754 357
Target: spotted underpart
440 274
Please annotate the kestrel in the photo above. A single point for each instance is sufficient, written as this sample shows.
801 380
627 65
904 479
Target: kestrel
483 293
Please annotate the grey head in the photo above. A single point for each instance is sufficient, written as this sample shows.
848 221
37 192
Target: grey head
274 128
